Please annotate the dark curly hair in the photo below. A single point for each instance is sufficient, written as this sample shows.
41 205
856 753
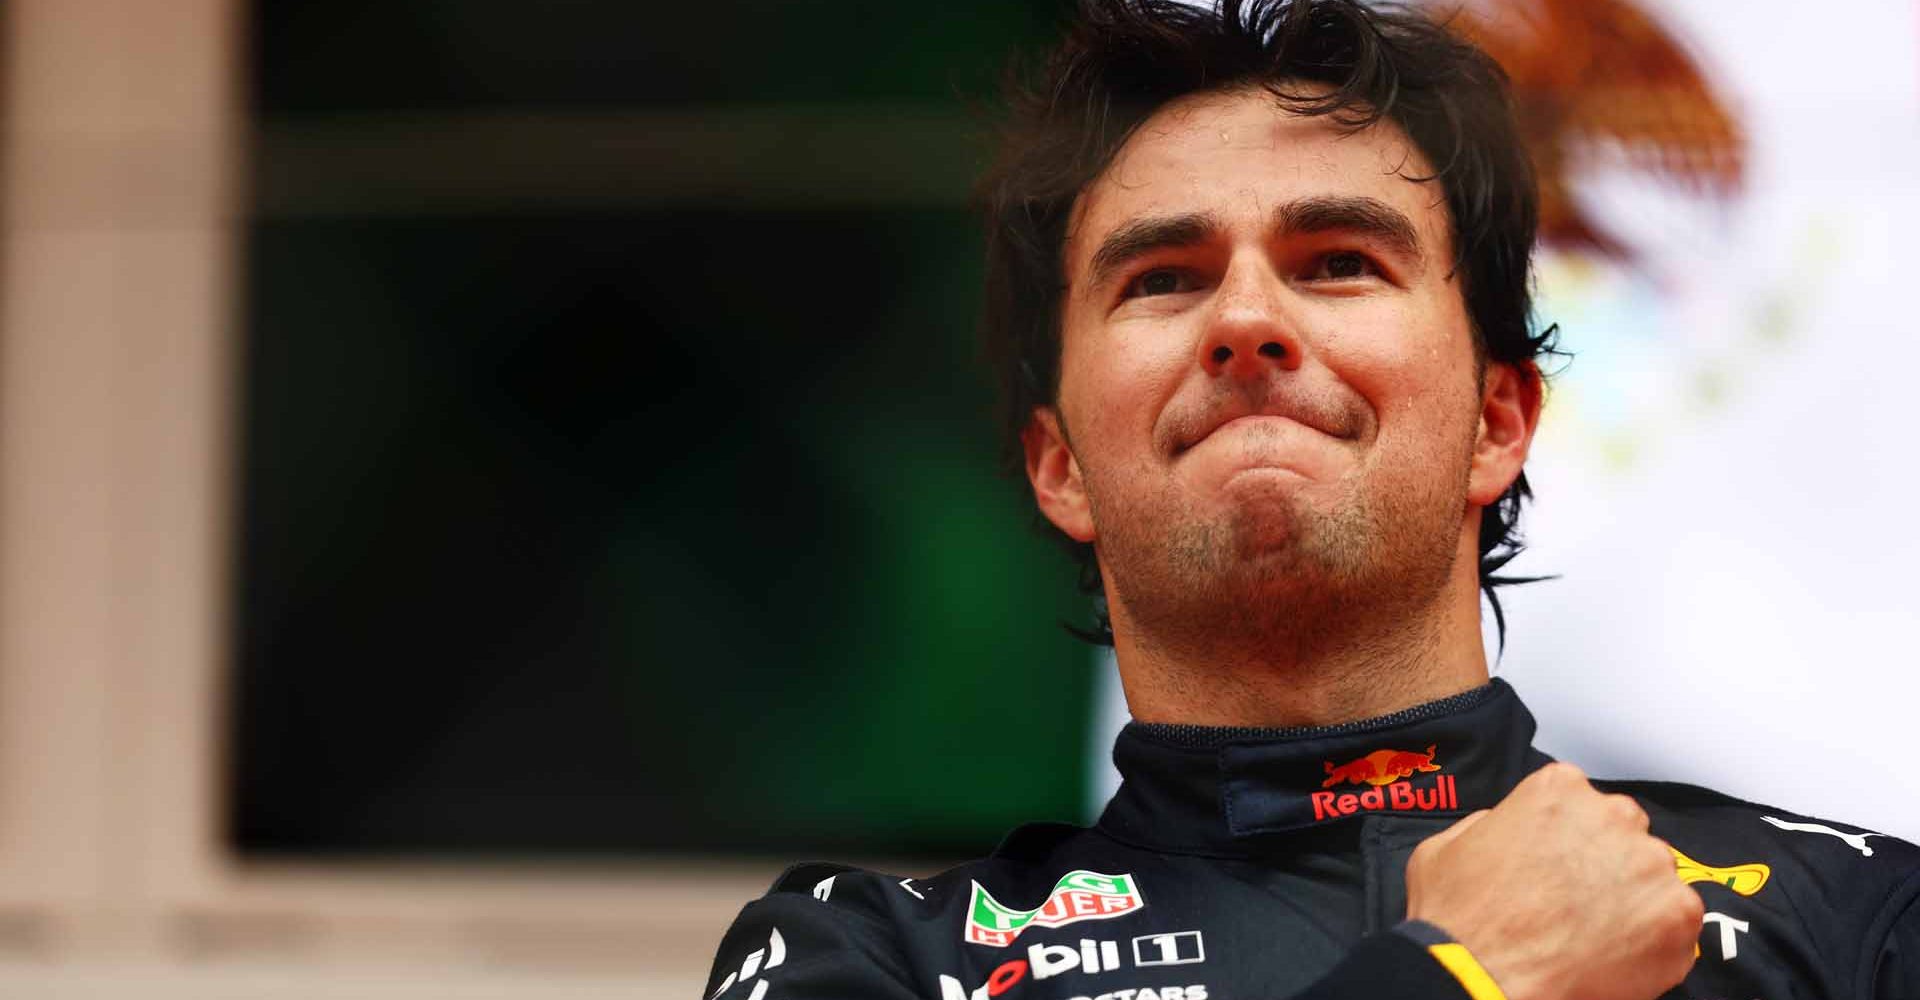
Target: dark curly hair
1122 60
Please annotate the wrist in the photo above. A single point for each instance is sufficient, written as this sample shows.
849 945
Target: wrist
1455 958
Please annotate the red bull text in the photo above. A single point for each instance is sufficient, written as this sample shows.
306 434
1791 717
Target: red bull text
1382 771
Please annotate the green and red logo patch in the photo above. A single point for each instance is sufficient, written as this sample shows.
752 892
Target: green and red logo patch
1079 895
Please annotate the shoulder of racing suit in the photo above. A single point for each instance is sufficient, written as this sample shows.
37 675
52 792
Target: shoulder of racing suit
1783 889
826 929
831 930
821 930
835 930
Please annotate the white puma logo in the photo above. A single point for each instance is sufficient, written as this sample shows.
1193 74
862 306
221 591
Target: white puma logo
1857 841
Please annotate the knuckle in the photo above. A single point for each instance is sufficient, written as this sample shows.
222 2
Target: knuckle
1679 920
1566 773
1657 859
1556 782
1625 810
1691 910
1647 865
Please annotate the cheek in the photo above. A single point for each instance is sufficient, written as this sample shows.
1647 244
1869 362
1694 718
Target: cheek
1414 368
1114 388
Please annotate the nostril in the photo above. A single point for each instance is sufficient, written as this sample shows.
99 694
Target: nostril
1272 350
1222 354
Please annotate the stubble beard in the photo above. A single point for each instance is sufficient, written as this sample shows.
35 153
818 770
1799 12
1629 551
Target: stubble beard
1277 578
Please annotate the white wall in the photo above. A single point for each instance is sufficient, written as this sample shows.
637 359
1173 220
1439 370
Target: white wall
1739 599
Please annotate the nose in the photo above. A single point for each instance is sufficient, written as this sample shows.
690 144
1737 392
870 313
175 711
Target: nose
1249 334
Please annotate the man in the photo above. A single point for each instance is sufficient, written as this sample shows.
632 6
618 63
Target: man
1258 290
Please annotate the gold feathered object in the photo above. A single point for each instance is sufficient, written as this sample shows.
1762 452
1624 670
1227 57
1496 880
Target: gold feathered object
1601 83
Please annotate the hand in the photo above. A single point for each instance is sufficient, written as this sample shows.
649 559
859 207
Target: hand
1560 893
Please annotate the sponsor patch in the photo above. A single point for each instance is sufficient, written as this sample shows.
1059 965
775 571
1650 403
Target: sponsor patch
1384 774
1089 957
1183 948
1730 931
1381 767
1743 879
1079 895
1857 841
1194 992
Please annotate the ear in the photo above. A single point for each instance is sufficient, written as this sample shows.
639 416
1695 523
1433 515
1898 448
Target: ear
1055 475
1509 413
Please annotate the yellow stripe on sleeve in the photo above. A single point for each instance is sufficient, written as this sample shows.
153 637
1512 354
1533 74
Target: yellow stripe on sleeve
1455 958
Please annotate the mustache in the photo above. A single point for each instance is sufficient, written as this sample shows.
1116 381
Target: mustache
1337 414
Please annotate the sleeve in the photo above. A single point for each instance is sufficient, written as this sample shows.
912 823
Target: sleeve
1894 967
1414 960
791 946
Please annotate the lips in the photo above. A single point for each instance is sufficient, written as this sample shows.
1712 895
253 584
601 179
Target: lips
1328 416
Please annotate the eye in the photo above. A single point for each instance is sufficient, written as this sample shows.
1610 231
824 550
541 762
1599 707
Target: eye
1343 264
1160 281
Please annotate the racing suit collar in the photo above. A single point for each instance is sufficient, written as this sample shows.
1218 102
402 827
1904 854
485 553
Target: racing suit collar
1219 790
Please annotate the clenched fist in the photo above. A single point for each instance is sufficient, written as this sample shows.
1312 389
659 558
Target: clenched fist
1561 893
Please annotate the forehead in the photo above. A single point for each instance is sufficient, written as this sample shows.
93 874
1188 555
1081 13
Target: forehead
1239 155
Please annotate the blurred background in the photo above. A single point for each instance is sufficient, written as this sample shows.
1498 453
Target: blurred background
484 485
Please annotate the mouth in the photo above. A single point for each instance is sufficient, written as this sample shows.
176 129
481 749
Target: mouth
1322 417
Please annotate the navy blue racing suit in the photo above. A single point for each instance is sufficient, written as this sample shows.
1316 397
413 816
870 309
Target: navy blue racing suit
1250 864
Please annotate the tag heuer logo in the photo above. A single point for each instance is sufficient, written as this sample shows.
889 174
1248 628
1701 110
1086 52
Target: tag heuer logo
1079 895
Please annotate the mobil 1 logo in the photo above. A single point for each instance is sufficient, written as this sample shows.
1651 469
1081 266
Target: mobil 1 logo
1092 957
1183 948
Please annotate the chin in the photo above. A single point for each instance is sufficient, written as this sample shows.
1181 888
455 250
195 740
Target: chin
1268 524
1297 534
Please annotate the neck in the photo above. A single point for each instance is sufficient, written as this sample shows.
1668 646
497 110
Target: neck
1313 669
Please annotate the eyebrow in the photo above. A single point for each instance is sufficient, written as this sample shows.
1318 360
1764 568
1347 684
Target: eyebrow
1370 218
1367 217
1144 236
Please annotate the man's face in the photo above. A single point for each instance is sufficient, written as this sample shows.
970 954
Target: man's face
1268 386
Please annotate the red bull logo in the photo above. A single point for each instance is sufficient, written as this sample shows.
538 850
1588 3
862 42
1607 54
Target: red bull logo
1382 771
1381 767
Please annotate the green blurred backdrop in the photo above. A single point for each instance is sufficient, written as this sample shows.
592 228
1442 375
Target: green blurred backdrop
617 474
